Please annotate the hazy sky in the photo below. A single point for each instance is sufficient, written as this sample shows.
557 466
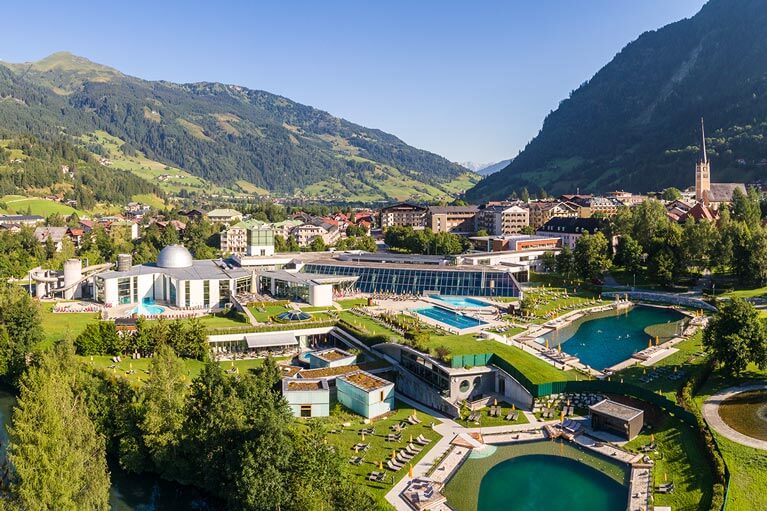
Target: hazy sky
471 80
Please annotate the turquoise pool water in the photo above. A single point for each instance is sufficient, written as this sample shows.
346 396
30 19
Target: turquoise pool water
462 302
450 318
604 341
147 309
549 483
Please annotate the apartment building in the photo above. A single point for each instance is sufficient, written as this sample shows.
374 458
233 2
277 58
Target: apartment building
453 219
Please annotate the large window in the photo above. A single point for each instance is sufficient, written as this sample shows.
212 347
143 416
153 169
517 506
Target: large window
224 292
206 293
306 410
417 280
123 290
135 289
187 293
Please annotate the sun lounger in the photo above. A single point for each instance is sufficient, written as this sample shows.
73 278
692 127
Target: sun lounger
413 450
356 460
393 466
422 440
665 488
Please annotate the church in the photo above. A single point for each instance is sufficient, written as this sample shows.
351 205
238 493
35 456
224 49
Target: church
711 194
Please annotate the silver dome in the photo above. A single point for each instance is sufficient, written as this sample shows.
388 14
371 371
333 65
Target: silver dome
174 256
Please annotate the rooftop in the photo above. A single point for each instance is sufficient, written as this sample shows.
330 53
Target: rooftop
332 354
304 385
453 209
328 372
365 381
206 269
616 410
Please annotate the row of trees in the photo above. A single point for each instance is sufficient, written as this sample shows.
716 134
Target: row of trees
737 337
425 241
187 338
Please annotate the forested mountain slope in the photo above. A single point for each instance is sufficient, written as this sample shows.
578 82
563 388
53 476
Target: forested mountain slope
636 123
223 133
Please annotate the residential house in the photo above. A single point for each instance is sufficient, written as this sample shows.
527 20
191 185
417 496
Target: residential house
224 216
569 230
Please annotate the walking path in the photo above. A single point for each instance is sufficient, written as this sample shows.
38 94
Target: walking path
711 414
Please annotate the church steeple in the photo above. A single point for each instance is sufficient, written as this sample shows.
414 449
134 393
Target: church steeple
702 170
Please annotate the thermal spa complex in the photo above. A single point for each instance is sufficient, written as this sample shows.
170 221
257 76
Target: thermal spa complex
487 389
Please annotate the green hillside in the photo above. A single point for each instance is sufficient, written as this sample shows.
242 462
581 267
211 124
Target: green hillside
635 125
225 135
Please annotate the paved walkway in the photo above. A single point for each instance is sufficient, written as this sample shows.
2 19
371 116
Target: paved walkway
711 414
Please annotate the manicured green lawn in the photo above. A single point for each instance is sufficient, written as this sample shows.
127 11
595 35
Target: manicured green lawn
746 293
688 359
57 326
748 466
380 450
212 321
352 302
141 366
369 326
488 421
266 313
680 459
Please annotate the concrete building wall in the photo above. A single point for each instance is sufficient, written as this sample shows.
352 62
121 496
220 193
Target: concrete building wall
367 404
318 400
321 295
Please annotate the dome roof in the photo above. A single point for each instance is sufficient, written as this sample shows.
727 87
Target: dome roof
174 256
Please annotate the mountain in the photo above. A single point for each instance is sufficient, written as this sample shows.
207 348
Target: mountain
227 135
484 169
492 168
636 124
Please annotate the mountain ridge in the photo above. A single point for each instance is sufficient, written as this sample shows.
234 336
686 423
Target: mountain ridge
635 124
220 132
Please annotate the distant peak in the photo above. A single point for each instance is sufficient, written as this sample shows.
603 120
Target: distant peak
67 61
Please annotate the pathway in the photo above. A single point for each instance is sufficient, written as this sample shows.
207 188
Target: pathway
711 414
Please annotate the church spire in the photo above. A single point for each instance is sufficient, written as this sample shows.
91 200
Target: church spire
703 155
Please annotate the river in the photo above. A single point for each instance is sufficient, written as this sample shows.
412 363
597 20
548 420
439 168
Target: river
129 492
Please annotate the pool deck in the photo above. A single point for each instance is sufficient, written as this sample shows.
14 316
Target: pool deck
452 457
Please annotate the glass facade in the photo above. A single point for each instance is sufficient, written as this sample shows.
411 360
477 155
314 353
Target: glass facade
206 293
187 293
123 290
460 282
224 292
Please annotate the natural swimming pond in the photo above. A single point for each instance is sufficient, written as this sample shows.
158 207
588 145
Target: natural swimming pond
746 412
602 340
450 318
539 476
129 492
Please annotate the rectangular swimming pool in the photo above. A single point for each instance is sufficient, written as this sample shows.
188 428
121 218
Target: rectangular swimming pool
461 302
449 317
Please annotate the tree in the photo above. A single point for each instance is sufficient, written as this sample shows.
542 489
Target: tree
629 254
58 457
591 255
317 245
163 412
737 336
671 194
566 263
21 329
745 207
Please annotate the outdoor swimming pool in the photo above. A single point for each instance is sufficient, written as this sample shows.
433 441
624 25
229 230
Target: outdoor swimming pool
461 302
449 317
539 476
603 340
147 309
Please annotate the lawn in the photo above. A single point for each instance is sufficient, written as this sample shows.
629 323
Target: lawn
748 466
488 421
141 366
679 459
746 293
216 321
689 359
19 204
57 326
380 450
350 303
265 314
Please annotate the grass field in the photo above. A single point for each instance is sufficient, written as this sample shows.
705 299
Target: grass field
19 204
141 366
380 450
267 312
488 421
687 359
57 326
350 303
680 459
748 466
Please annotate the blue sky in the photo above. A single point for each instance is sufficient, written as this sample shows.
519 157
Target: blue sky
471 80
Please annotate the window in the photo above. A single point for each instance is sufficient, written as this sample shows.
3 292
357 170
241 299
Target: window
381 398
306 410
187 292
206 293
123 290
464 386
135 289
